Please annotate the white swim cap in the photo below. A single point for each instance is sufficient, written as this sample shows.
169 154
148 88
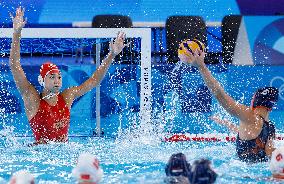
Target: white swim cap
22 177
277 161
88 169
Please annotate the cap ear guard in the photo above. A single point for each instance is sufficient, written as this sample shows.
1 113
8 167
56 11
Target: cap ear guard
40 80
201 172
177 160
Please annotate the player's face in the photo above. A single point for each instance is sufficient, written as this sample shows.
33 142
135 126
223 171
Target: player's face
53 82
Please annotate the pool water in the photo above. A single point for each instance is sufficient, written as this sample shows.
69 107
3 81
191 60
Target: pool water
123 160
130 154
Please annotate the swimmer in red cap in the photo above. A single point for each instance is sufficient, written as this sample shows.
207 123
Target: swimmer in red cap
255 132
49 111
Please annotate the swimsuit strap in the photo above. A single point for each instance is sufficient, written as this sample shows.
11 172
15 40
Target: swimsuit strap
261 117
271 127
267 122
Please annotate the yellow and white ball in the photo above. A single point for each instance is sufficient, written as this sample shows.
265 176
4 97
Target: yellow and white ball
189 47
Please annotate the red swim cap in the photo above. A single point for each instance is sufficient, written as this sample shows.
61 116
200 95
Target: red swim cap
47 68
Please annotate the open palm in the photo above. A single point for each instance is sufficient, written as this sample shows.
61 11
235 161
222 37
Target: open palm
18 20
117 46
196 59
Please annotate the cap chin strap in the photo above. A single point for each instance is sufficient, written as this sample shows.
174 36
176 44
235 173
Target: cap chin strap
50 95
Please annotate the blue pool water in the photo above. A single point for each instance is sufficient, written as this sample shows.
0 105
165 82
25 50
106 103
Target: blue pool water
124 161
137 155
130 152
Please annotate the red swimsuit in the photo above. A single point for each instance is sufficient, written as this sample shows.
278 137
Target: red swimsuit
51 123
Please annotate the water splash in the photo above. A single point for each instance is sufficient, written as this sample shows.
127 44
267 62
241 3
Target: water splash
8 138
162 118
177 67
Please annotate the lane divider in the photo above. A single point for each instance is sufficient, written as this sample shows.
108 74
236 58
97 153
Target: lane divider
208 137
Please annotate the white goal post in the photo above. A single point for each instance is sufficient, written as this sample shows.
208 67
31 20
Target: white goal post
143 33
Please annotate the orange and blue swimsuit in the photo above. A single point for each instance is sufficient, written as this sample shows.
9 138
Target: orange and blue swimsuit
51 123
254 150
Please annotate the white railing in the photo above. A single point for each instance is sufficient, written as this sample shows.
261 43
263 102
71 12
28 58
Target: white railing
141 24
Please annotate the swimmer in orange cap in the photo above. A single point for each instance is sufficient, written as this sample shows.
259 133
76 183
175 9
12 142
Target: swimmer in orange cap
49 111
255 132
